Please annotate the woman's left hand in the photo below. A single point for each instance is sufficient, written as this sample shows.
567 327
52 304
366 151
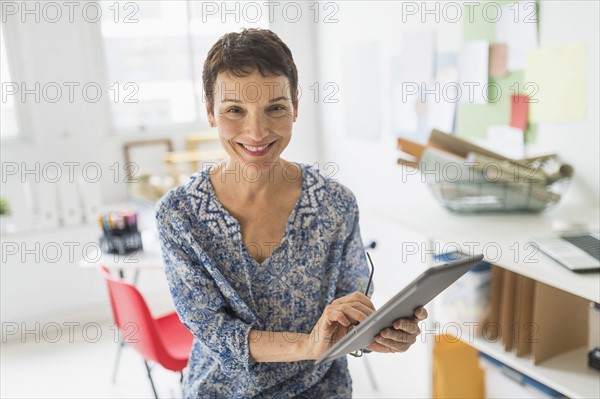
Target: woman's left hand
401 335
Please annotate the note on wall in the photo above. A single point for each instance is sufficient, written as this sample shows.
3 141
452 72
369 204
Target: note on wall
507 141
519 111
556 79
473 71
411 73
441 109
498 55
517 28
440 116
418 55
477 25
444 62
404 119
360 92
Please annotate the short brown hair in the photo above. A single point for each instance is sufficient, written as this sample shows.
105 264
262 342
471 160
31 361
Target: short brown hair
242 53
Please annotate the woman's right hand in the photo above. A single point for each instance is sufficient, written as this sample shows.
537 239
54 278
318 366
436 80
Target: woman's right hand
335 322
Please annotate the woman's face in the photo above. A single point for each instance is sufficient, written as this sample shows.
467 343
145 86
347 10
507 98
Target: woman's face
254 116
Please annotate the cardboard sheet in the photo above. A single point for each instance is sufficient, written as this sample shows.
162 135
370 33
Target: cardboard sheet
558 317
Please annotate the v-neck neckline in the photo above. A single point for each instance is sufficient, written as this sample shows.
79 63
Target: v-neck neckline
236 223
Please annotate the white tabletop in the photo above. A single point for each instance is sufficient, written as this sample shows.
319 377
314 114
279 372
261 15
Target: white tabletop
503 238
149 258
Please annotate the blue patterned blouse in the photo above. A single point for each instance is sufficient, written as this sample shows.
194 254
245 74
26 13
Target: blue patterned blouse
220 292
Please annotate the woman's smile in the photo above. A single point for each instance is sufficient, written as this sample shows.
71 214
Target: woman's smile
256 150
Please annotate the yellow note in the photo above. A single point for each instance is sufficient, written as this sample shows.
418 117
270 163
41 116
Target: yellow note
555 81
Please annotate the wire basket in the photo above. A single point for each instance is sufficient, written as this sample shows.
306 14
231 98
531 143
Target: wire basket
488 196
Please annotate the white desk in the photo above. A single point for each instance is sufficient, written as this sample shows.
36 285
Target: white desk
508 232
566 373
149 258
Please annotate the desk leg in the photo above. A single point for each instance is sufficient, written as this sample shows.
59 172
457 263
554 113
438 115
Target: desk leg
430 324
119 350
365 359
136 276
431 247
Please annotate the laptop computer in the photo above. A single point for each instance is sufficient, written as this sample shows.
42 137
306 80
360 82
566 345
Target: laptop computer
579 252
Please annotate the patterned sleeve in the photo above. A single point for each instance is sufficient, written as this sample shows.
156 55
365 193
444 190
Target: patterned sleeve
198 302
354 265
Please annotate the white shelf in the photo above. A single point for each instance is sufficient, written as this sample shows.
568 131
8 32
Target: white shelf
511 233
73 229
567 373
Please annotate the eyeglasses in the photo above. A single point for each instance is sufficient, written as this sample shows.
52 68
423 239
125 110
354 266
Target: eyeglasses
359 352
370 275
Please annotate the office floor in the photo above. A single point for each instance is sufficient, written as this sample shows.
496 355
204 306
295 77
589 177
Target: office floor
82 369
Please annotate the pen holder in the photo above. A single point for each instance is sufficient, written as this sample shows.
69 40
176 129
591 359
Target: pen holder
121 244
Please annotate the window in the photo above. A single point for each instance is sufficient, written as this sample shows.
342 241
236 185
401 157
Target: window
9 126
154 53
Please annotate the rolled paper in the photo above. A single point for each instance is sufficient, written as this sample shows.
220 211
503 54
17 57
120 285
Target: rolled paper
518 178
446 167
565 170
506 171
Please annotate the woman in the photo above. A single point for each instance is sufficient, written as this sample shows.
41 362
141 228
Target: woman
263 256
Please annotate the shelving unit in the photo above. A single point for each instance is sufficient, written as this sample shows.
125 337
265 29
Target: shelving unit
566 373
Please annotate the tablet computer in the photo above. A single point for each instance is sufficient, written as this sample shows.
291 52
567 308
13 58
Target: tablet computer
418 293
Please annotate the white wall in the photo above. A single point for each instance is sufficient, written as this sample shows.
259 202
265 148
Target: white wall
368 166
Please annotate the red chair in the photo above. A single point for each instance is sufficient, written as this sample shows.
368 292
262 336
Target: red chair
164 340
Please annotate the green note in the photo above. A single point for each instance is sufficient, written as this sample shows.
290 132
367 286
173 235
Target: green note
473 120
478 28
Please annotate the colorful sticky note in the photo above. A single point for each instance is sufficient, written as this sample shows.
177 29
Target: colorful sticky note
473 65
519 111
555 79
517 28
478 26
498 54
507 141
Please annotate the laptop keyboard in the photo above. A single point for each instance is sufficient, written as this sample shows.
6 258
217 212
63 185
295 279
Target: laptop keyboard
586 243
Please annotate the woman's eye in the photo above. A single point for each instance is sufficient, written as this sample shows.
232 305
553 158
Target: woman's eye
233 110
278 108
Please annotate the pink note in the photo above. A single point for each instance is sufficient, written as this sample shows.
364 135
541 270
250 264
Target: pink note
519 111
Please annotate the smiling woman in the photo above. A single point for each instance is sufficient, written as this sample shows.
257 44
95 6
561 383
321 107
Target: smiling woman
264 256
255 115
